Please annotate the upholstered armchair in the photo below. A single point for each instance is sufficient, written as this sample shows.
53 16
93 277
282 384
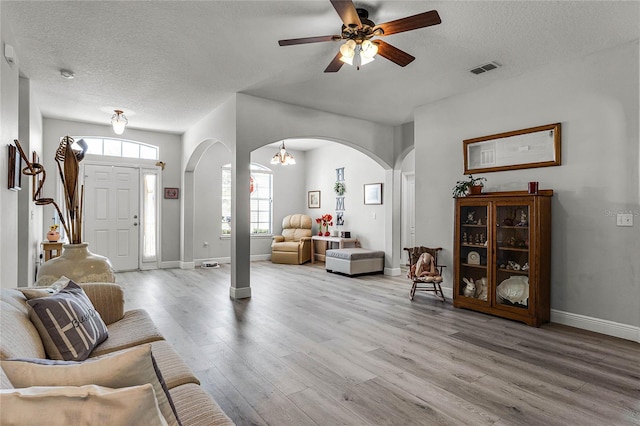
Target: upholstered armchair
294 245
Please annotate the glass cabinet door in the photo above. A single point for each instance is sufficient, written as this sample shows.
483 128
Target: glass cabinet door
474 256
512 262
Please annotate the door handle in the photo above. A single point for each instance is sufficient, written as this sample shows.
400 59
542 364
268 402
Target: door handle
135 216
135 223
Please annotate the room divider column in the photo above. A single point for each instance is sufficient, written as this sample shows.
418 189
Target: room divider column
240 222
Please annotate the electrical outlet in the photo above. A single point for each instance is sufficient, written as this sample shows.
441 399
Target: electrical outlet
624 219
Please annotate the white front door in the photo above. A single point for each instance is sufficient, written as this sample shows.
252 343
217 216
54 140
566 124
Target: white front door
111 214
408 235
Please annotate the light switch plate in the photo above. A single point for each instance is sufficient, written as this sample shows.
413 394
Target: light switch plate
624 219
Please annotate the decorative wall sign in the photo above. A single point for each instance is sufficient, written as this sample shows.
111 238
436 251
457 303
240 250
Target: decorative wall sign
313 199
340 174
14 175
339 218
520 149
171 193
340 203
373 193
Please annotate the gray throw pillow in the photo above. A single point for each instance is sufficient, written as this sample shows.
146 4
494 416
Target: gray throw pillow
68 324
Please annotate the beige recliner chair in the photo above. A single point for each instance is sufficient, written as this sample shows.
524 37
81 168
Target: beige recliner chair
294 245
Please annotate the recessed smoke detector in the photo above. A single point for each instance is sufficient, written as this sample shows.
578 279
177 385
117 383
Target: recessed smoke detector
68 74
484 68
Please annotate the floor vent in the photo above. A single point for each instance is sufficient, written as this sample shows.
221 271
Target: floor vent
210 264
484 68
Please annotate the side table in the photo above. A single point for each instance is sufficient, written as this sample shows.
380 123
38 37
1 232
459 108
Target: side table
51 249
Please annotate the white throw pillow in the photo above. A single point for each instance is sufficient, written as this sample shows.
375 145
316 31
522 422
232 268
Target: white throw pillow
83 405
131 367
35 292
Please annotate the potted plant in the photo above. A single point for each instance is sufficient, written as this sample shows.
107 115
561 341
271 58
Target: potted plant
471 186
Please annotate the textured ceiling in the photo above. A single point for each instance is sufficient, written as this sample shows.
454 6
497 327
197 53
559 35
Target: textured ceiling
169 63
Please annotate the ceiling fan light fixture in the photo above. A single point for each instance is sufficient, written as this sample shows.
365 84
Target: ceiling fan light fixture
364 60
119 122
347 60
368 50
348 49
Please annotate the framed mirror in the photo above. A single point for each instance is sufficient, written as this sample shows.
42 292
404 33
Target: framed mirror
520 149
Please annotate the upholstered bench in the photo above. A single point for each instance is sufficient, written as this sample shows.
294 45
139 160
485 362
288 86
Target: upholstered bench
353 261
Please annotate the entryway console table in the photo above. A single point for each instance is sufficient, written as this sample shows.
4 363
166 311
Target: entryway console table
502 254
351 242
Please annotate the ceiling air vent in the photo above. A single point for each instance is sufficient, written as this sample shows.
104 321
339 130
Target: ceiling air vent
484 68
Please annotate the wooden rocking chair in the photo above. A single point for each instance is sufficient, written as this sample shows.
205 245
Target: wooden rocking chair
424 271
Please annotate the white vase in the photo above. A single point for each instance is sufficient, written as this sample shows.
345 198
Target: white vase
78 264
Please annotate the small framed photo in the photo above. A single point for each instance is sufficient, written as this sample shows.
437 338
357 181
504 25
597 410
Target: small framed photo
171 193
313 200
373 193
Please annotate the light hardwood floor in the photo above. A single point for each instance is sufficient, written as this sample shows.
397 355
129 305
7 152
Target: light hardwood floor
314 348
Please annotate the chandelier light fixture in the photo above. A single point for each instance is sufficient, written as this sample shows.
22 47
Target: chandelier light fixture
283 157
119 121
358 53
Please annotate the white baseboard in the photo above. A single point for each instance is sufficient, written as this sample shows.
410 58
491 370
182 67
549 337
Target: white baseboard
392 272
258 257
448 293
187 265
240 293
610 328
169 264
227 260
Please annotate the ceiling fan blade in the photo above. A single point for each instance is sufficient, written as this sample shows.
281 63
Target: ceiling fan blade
347 12
335 64
305 40
393 54
409 23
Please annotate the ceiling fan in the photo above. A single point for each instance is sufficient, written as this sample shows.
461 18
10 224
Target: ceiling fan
358 31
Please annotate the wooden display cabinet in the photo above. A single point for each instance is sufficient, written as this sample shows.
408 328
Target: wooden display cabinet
502 247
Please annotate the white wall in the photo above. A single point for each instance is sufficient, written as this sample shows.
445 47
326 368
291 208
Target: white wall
8 131
358 169
170 147
595 268
30 228
288 197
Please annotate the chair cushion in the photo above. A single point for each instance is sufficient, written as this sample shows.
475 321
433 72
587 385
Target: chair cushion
288 246
296 226
434 279
136 328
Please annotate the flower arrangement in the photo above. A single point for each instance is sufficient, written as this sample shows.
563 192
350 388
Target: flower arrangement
53 228
325 221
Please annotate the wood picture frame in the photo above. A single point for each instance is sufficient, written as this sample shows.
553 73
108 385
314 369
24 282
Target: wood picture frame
373 193
313 199
520 149
171 193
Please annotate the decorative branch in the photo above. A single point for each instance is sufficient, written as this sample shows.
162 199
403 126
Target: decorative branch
67 160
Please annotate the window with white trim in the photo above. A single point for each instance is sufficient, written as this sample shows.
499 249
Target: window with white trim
120 148
261 188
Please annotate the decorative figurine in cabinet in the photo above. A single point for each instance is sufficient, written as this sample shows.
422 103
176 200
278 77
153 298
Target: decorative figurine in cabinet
502 254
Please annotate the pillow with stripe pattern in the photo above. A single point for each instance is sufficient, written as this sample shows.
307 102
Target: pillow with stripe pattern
68 324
